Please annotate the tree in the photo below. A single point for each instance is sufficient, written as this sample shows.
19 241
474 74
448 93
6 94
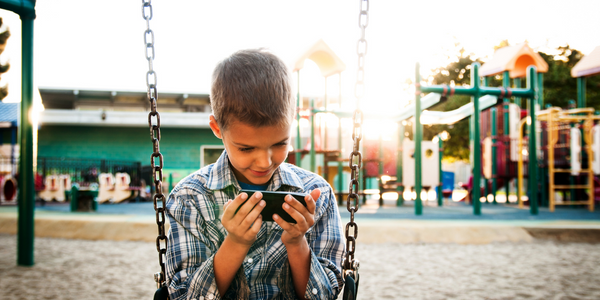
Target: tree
456 73
3 68
559 86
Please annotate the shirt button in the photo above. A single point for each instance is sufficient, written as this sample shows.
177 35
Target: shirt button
201 298
314 291
250 260
211 296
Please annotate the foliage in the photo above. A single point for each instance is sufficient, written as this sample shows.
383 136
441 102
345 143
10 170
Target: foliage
456 73
559 86
3 68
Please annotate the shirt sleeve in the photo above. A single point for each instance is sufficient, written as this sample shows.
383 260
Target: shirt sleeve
194 238
327 251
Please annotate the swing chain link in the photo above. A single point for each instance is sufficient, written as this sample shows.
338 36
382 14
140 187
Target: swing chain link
154 124
350 265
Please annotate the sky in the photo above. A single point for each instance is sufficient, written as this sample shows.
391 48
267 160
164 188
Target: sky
99 45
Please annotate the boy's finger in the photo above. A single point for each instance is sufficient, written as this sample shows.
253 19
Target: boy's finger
256 226
231 206
281 222
294 213
311 202
245 208
253 215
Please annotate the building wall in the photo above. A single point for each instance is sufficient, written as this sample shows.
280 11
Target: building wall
180 147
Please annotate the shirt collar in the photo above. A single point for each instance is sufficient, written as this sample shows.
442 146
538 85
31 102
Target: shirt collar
221 176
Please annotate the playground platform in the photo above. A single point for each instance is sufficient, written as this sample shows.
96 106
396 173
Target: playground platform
452 223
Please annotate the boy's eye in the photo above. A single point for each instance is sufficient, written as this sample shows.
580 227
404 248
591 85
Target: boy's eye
245 149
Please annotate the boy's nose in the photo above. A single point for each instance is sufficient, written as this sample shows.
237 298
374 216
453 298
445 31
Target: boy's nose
264 160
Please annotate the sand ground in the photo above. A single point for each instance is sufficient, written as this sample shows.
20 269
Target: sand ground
81 269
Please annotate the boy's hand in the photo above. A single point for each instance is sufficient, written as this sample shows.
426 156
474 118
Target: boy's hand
243 226
293 234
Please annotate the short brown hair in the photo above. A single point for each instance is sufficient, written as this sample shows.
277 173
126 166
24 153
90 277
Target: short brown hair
253 87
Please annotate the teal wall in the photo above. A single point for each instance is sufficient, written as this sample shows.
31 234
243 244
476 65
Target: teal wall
180 147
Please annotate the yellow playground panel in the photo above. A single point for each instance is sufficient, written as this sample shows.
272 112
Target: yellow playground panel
578 126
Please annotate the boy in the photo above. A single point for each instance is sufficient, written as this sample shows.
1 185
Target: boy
215 252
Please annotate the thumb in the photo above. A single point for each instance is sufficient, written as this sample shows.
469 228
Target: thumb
315 194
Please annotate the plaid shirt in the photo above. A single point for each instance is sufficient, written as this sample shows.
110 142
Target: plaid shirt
194 209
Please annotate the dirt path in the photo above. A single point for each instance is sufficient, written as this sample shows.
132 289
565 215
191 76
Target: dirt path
80 269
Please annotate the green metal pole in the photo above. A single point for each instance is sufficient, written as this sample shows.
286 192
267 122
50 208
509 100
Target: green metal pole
313 155
399 186
298 139
506 84
340 185
26 200
494 161
418 139
170 182
324 122
581 101
543 172
486 188
340 166
440 197
533 200
380 164
517 83
476 85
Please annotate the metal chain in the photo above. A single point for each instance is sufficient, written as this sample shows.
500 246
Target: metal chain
154 124
355 163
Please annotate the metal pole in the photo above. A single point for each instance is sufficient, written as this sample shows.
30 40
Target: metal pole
399 186
313 156
533 200
486 181
380 165
543 172
494 154
324 123
506 83
298 139
25 230
418 139
340 145
517 83
475 84
440 197
581 101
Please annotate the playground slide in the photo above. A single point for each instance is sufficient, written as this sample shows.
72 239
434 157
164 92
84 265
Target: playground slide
453 116
426 102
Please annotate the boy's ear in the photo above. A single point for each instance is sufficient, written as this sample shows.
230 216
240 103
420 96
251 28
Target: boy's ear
215 127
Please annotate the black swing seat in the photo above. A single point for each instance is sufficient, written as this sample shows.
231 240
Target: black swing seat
162 293
351 287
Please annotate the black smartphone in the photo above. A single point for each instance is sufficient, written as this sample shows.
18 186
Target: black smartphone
274 202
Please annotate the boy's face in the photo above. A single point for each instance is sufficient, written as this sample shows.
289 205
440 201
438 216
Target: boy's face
254 152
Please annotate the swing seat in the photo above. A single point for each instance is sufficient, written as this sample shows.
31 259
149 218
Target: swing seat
8 189
351 287
106 187
122 191
55 188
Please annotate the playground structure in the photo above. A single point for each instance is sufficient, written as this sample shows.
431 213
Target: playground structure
558 145
376 163
567 159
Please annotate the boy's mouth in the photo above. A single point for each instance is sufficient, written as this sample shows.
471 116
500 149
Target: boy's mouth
259 174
